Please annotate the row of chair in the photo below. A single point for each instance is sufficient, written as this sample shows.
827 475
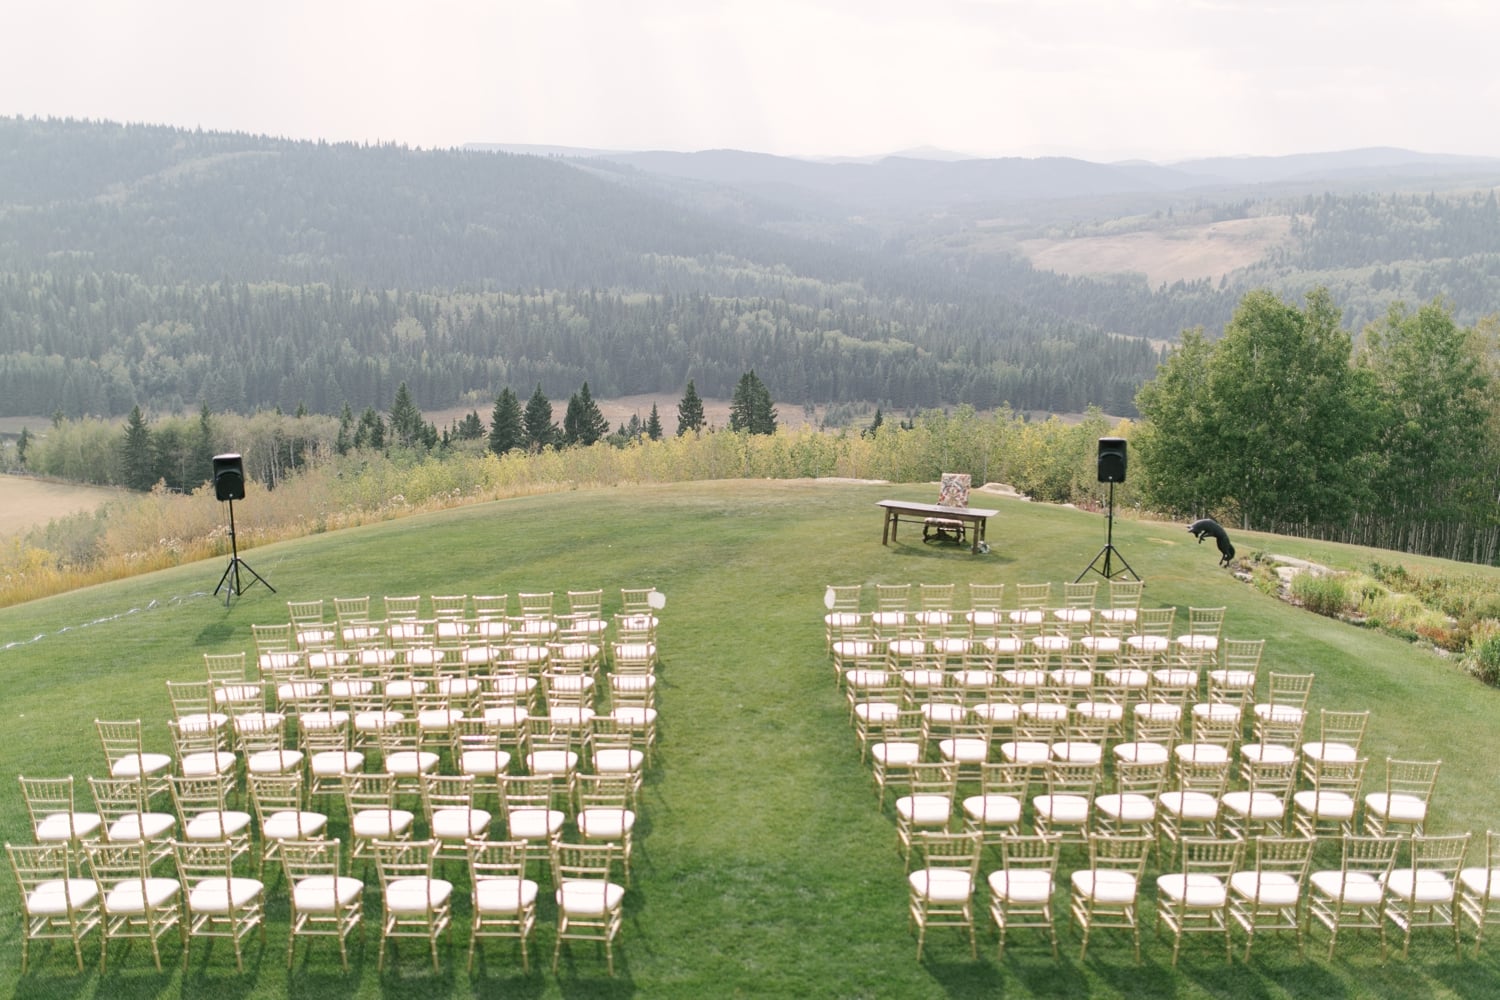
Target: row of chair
1268 884
581 779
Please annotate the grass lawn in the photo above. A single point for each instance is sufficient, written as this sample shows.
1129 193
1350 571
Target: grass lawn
764 867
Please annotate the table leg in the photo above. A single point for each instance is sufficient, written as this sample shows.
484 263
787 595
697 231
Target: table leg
976 532
885 528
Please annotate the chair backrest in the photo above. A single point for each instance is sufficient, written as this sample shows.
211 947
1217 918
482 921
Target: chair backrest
953 489
1126 594
352 609
892 596
1415 778
1155 621
1290 856
1216 856
1373 856
1035 852
1338 776
1289 690
488 607
120 739
1080 594
585 603
48 867
1243 654
305 613
1206 621
1439 853
304 859
204 859
1120 852
115 798
1033 596
986 596
573 862
47 797
1271 776
1069 778
1210 776
449 607
942 849
1343 727
935 596
537 604
272 793
404 859
1141 777
369 790
497 859
194 795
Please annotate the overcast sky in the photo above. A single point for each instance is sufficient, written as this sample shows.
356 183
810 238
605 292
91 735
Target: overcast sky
1101 79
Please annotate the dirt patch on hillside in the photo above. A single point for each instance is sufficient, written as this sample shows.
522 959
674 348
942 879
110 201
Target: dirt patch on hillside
28 503
1185 253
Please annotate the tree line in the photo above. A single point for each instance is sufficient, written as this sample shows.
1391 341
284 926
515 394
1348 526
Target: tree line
1284 425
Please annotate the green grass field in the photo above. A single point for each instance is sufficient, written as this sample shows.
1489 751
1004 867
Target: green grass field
764 867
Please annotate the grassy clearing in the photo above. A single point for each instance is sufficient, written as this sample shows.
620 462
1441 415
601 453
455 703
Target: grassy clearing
764 866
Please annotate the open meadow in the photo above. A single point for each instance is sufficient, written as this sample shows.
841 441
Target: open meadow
764 866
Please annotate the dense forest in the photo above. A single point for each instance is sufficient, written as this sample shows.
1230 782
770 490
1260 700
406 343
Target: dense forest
164 268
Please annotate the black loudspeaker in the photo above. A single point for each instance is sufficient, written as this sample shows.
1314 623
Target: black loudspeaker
229 477
1111 460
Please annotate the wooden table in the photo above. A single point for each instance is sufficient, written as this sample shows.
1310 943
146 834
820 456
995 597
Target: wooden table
973 517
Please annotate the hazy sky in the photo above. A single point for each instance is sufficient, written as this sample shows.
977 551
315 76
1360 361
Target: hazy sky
1103 79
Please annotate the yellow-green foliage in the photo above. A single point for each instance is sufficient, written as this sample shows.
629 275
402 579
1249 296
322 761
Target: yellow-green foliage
1051 460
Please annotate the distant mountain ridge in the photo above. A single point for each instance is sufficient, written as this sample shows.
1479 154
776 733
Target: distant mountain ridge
925 178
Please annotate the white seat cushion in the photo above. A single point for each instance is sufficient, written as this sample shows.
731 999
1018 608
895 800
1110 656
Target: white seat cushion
136 895
924 810
293 825
56 827
1397 808
324 893
504 896
1021 885
1422 886
459 823
896 754
1072 809
273 761
220 895
1104 885
141 826
417 895
485 762
1257 805
1195 890
50 899
1479 880
993 810
942 885
405 763
588 897
217 825
382 823
605 824
1358 888
137 764
1266 888
534 824
207 763
1127 807
1325 805
331 763
1190 805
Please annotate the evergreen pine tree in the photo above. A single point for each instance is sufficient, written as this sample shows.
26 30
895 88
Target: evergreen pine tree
203 445
653 424
506 431
591 422
874 427
690 412
407 430
139 458
22 443
750 408
344 440
537 421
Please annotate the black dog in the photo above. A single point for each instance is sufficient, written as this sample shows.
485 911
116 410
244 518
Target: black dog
1207 527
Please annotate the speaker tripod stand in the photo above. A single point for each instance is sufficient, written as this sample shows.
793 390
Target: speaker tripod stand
230 581
1109 553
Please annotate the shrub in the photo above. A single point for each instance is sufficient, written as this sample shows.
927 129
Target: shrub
1482 655
1323 594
